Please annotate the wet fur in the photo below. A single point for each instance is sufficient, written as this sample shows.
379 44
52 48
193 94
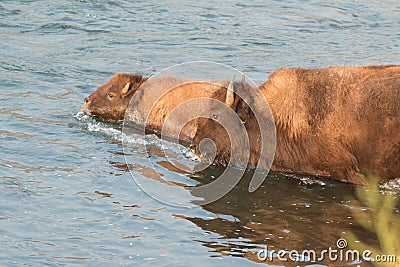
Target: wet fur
342 122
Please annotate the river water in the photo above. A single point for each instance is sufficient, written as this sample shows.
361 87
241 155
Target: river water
67 197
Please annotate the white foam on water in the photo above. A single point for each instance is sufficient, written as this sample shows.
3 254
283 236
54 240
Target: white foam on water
391 185
312 181
306 180
134 139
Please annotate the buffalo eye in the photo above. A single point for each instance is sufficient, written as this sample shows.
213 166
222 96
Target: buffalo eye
215 116
110 95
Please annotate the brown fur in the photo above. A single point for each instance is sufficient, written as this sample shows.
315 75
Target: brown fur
158 98
108 101
342 122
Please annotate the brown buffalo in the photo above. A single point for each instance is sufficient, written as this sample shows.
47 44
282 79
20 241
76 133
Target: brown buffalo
342 122
110 100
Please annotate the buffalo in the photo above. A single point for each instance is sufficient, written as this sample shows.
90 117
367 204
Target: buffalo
337 122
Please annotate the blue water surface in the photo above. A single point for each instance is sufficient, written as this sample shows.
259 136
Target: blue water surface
67 197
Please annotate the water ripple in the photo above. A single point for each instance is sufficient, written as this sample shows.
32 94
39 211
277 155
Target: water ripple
67 195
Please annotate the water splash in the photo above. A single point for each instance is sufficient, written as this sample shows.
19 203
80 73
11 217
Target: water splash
112 130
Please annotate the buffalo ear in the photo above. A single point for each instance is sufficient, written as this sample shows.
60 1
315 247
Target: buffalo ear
230 95
141 79
125 91
138 80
